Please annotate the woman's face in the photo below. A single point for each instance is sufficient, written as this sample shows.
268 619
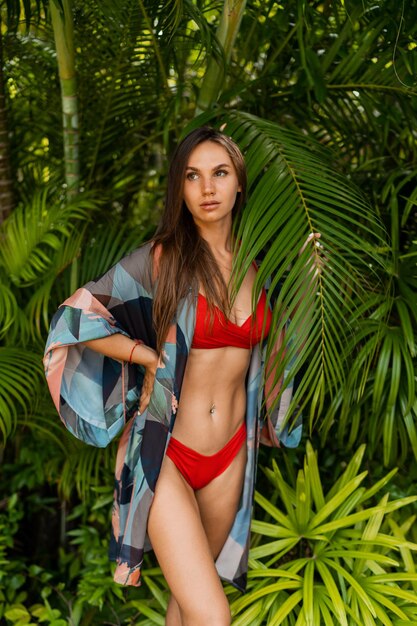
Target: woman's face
210 184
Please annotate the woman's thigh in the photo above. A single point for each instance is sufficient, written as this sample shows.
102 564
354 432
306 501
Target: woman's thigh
183 552
218 502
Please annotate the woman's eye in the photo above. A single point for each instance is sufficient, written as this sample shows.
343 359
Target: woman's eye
221 173
192 176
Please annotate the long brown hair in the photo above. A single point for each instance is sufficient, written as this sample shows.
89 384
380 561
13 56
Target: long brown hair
185 258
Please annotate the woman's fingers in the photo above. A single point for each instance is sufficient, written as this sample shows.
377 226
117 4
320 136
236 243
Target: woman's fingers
311 236
316 258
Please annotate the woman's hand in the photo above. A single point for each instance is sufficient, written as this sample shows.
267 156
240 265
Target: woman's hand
316 259
152 364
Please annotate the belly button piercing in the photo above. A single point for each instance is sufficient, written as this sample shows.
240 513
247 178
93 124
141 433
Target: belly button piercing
212 409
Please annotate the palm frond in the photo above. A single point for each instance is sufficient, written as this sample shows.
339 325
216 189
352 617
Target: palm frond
81 258
48 294
32 235
355 91
16 11
380 387
79 468
294 190
141 51
371 89
46 426
345 563
21 379
109 244
86 467
8 308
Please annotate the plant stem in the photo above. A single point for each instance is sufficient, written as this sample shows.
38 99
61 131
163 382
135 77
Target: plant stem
64 41
6 188
227 31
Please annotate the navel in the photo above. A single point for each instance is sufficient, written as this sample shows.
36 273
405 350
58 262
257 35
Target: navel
212 409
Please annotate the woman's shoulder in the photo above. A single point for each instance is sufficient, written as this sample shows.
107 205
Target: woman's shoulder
138 265
141 258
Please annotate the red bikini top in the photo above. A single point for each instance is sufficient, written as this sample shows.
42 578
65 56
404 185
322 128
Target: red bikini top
225 333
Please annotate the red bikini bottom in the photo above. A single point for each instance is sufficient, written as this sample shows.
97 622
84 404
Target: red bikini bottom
200 469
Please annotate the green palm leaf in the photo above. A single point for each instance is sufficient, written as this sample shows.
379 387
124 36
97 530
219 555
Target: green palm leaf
342 566
145 609
286 608
333 592
308 593
108 245
8 309
21 379
137 56
295 191
71 268
32 235
251 616
48 295
157 593
47 427
85 468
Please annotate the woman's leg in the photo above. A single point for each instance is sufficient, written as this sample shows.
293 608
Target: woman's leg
218 502
173 616
184 554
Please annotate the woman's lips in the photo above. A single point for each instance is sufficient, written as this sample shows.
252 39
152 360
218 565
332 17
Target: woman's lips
209 205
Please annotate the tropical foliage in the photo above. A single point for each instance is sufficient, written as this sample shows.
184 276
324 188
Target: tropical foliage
329 557
321 97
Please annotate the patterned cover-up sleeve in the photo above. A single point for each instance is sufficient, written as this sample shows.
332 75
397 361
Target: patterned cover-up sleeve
93 393
276 427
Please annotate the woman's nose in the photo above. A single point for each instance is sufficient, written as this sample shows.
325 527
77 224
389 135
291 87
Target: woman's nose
208 185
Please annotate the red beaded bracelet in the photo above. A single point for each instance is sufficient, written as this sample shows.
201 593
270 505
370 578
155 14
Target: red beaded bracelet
138 342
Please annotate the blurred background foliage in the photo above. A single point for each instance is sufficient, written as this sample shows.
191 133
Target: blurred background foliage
322 98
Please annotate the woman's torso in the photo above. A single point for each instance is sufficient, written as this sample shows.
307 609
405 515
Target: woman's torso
213 397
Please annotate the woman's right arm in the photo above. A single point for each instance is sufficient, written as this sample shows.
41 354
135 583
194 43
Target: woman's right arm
123 348
120 347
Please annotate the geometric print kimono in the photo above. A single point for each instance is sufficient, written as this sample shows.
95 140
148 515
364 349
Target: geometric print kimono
97 398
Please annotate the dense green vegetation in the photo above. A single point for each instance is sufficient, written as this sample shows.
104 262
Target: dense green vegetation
321 96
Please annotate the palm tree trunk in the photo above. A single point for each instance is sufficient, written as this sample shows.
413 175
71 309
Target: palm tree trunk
6 188
64 41
226 34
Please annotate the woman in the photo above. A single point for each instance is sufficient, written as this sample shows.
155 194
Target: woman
159 333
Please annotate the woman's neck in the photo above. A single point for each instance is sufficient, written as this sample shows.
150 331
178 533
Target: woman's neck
218 238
